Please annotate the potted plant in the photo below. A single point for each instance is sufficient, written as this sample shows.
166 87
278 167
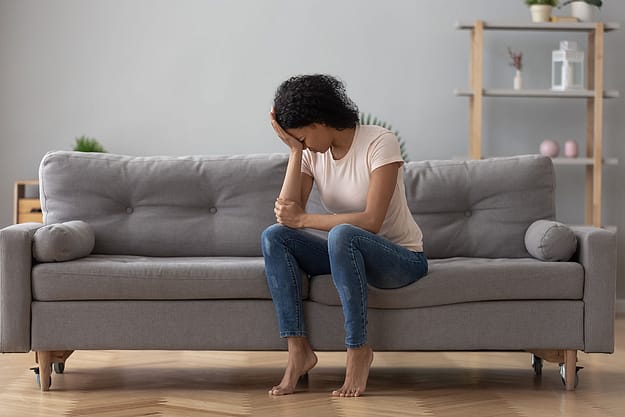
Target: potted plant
86 144
541 9
584 10
368 119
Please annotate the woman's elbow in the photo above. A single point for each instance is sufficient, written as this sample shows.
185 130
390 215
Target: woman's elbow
372 225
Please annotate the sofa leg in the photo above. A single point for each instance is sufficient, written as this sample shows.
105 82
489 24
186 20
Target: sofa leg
44 358
567 359
570 364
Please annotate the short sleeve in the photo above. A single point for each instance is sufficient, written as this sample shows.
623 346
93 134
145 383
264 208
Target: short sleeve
306 163
383 151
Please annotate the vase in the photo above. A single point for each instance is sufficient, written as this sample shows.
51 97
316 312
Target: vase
518 80
540 12
570 149
584 12
550 148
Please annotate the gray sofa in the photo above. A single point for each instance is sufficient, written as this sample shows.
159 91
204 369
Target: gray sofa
177 264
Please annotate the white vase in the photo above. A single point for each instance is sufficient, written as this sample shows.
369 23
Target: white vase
518 81
540 12
584 12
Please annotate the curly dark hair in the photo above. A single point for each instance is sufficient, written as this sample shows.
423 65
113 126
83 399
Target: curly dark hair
306 99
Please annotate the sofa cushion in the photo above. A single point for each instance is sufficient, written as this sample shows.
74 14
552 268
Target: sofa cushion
550 241
59 242
164 206
479 208
109 277
462 280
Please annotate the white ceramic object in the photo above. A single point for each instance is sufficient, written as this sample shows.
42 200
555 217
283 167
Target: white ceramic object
540 12
584 12
550 148
518 81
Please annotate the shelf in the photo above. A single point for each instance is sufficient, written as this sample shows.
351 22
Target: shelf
545 93
547 26
26 209
594 97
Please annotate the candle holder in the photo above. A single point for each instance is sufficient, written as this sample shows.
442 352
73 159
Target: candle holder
567 67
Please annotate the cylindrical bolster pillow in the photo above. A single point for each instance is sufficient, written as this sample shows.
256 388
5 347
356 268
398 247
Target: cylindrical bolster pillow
549 240
63 241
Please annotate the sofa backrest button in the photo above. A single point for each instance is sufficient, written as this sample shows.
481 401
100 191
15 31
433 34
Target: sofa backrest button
212 210
129 210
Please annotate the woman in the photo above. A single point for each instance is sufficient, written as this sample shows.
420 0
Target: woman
373 239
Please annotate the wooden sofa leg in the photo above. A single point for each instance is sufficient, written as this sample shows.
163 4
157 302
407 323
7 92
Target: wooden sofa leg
44 358
567 359
570 365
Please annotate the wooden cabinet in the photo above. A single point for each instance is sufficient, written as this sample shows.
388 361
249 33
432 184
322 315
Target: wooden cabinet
26 209
594 94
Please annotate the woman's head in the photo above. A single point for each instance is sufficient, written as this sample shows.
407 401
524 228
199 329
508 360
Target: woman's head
306 99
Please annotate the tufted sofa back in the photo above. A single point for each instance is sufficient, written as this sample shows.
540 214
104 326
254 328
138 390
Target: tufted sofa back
219 205
164 206
479 208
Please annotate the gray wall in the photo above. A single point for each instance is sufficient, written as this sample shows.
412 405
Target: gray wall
177 77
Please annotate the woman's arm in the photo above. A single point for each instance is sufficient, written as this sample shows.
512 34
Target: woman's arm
294 185
381 188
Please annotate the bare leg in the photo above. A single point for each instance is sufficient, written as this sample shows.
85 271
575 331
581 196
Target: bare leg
301 360
356 372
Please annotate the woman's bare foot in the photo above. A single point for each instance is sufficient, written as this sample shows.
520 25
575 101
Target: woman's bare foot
356 372
301 360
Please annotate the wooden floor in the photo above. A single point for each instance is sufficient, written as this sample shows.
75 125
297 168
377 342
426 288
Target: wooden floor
177 383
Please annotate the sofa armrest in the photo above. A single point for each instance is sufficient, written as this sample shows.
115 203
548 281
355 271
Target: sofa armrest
15 286
596 251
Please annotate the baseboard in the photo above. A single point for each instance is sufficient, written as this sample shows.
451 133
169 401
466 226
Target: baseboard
620 306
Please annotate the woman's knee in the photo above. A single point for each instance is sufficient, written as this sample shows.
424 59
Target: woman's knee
271 235
342 233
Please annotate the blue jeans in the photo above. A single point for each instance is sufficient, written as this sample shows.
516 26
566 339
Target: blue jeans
354 257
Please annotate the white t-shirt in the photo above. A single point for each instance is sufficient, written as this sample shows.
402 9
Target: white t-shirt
343 183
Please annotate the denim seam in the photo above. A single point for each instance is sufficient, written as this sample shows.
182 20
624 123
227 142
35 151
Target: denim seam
298 301
363 308
293 334
389 249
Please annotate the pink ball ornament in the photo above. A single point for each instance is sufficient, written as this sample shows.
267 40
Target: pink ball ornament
571 149
550 148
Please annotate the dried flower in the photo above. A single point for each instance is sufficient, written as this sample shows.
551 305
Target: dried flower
516 59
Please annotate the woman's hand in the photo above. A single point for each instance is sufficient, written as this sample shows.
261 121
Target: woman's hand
289 213
293 143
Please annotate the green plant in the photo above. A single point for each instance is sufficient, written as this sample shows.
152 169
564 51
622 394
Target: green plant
553 3
368 119
86 144
597 3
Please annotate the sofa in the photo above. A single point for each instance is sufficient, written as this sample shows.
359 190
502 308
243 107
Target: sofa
174 262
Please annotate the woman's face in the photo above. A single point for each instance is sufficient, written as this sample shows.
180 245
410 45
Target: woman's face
316 137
